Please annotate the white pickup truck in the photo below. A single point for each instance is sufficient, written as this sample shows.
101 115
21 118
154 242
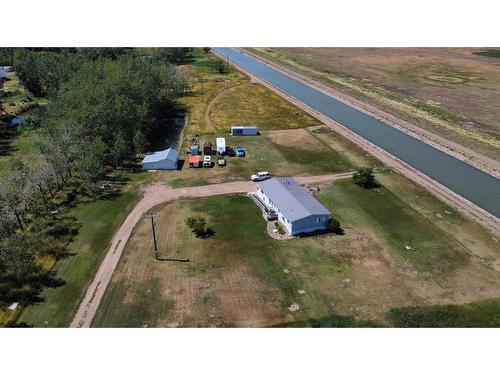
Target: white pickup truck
207 161
260 176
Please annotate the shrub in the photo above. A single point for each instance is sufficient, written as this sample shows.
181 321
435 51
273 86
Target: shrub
334 226
279 228
364 177
197 224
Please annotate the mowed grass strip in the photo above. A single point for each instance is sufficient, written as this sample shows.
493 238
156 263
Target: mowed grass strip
99 220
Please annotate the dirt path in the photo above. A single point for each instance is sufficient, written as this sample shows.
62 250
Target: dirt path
448 196
208 110
154 195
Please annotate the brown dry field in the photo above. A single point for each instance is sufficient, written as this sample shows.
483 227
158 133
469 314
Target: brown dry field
450 83
474 87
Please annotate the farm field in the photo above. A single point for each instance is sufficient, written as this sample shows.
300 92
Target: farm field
281 152
251 279
449 91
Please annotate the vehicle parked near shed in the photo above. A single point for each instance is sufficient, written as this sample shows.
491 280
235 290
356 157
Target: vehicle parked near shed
221 162
195 149
240 151
207 148
194 161
221 145
260 176
230 151
207 161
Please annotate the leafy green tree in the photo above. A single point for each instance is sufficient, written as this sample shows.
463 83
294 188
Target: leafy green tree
221 67
90 165
197 224
364 177
140 142
12 197
119 151
173 54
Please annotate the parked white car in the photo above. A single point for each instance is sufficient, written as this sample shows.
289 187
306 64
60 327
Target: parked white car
260 176
207 161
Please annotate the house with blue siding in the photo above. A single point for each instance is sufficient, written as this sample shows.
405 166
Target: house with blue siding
297 210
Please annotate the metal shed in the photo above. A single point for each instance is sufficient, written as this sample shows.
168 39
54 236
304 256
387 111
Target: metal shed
221 146
166 159
244 130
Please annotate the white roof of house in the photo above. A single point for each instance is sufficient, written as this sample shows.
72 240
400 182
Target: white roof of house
168 154
292 199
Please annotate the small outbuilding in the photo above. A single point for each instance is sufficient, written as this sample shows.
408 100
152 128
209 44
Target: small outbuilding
8 68
2 73
244 130
166 159
207 148
221 145
194 161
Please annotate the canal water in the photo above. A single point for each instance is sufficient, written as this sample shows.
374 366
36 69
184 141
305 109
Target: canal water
471 183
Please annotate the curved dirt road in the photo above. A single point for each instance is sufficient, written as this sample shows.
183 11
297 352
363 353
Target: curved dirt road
208 121
154 195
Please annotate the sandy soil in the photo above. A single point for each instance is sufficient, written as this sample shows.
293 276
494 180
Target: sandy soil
154 195
464 206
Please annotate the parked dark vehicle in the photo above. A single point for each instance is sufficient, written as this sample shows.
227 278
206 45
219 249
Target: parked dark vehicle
230 151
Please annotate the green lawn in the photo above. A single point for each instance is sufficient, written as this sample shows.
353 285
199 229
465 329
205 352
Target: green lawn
99 220
482 314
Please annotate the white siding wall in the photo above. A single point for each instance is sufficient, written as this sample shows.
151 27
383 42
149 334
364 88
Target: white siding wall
283 220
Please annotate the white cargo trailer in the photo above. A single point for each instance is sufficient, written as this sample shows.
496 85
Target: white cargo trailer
221 146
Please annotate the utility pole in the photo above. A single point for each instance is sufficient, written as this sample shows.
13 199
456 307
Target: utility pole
153 227
202 91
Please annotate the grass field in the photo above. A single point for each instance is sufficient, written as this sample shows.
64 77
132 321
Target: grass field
252 103
281 152
99 221
449 91
249 279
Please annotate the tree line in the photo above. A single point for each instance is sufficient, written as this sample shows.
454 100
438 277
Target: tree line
105 106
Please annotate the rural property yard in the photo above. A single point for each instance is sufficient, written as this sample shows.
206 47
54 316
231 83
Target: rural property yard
281 152
242 277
